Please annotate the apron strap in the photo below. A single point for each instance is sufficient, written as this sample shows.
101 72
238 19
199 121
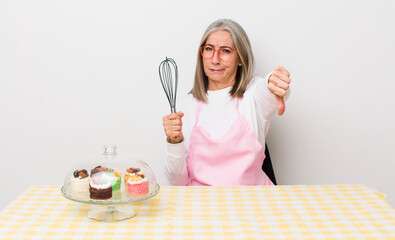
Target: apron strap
198 110
236 102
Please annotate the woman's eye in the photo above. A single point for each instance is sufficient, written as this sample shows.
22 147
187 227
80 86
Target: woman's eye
209 49
226 51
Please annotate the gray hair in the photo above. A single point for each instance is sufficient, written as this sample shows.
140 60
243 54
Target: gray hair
243 48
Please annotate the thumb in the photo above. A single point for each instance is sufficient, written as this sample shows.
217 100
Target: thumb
281 105
180 114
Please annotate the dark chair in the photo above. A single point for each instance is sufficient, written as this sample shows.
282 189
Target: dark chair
267 166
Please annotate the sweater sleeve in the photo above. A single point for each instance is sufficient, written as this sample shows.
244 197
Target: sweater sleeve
176 154
175 167
265 101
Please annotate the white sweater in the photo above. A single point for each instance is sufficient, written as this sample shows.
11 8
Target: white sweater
258 105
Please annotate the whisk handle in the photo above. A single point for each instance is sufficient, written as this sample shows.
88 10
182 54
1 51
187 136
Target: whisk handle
173 110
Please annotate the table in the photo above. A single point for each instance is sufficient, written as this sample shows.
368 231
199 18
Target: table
236 212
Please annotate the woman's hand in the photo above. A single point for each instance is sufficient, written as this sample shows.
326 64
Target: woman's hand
172 124
278 84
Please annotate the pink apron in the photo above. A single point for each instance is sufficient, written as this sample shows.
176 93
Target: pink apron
234 159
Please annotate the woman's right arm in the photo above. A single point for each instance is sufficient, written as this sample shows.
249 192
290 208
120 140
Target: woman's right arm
176 164
175 167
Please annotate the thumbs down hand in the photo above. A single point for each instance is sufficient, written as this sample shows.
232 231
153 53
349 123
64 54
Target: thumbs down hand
278 84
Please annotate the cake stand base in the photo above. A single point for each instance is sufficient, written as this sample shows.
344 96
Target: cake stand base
111 213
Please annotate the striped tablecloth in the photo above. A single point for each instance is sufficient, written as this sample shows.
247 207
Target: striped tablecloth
259 212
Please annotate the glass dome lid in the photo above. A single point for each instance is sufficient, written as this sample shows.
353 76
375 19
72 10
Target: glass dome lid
110 179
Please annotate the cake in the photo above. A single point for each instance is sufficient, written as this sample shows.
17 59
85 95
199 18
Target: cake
115 179
99 186
79 183
136 182
98 169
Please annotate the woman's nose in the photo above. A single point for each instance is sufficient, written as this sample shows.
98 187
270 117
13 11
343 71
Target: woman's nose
215 59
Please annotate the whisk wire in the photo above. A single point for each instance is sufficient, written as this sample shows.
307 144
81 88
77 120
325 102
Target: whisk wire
169 82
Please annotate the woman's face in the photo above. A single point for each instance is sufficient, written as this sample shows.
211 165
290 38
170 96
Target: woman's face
220 74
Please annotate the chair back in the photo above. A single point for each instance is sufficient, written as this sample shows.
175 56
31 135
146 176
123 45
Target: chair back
267 166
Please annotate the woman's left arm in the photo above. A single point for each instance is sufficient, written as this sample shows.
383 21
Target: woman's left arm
269 92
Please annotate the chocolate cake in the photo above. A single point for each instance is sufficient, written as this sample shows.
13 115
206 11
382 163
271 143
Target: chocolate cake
100 193
99 186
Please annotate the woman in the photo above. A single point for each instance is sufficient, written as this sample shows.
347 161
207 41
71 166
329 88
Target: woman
218 136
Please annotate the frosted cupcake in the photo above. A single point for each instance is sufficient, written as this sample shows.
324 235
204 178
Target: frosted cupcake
79 183
100 187
114 178
136 182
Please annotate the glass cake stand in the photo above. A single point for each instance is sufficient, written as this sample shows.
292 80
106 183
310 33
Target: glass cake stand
109 168
118 208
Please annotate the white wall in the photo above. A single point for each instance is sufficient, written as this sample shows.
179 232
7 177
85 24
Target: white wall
75 75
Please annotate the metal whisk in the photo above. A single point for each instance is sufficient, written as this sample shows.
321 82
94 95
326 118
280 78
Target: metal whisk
168 74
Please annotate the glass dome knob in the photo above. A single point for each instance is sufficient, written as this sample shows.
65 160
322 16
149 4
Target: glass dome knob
110 149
